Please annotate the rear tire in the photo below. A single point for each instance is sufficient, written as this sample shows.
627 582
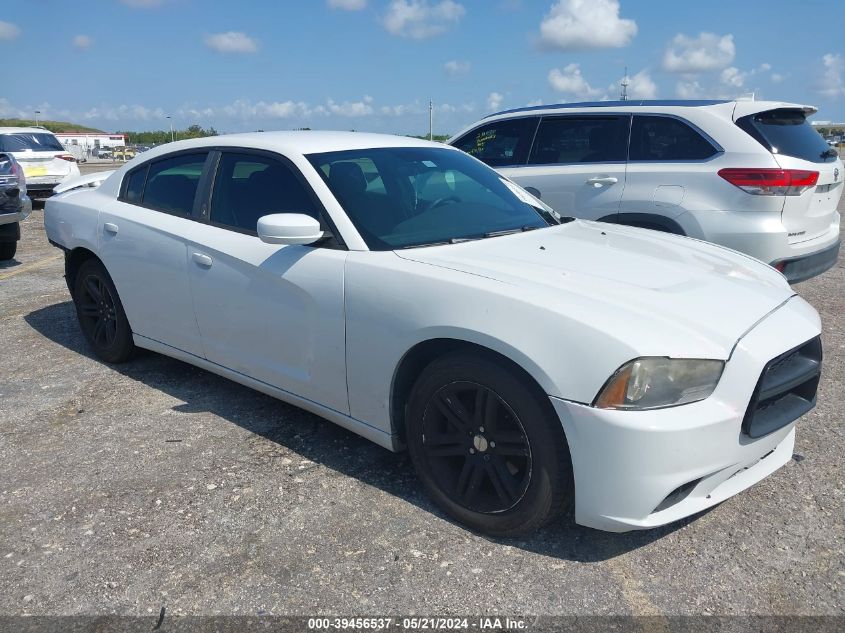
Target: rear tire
8 250
101 314
487 447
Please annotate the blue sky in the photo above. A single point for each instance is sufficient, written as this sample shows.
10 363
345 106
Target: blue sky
374 64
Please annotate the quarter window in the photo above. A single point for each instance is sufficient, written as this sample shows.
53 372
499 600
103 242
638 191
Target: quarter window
500 143
580 140
249 186
135 185
656 138
172 184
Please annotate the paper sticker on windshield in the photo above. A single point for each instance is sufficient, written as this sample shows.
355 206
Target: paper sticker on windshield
520 193
429 163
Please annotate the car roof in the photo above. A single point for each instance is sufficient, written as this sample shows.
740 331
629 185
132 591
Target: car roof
296 142
24 130
645 104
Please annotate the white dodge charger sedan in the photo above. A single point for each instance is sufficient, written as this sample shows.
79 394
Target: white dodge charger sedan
406 291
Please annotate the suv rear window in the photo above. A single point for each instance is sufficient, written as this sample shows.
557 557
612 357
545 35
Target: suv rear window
24 141
786 131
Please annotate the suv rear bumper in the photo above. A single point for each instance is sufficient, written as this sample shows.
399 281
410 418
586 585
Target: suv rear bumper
763 236
804 267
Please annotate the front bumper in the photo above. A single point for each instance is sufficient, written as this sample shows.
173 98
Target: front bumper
642 469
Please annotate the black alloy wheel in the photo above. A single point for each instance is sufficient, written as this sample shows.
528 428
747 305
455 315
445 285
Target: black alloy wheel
101 314
477 448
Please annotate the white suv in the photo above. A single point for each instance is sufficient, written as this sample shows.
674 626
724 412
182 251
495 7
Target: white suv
45 161
750 175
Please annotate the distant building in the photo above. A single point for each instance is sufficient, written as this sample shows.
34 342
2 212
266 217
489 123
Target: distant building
89 140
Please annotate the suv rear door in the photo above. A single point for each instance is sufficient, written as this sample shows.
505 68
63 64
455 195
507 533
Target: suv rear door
577 165
796 145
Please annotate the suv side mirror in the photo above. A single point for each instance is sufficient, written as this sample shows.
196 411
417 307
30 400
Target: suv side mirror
289 228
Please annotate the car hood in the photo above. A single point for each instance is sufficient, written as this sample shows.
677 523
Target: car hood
711 293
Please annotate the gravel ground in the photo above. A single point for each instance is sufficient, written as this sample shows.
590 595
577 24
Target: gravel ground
125 489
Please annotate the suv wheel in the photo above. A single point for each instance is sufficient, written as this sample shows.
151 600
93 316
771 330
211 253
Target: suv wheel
486 448
8 250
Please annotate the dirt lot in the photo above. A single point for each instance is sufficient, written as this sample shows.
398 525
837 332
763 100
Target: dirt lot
125 489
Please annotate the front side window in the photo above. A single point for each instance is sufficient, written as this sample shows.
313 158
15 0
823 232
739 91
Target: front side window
786 131
424 196
500 143
172 184
562 140
249 186
660 138
37 142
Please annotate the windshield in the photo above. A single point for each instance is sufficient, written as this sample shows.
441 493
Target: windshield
35 142
400 197
786 131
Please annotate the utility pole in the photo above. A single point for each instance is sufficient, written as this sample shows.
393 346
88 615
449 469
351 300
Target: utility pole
624 95
37 112
430 120
171 128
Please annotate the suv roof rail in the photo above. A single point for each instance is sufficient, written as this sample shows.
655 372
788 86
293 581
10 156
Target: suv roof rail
689 103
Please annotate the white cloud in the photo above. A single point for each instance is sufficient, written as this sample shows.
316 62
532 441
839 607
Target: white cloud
584 24
640 86
456 68
764 67
533 103
571 82
8 31
348 5
832 82
142 4
82 42
419 19
351 109
708 51
231 42
688 90
777 78
124 113
733 76
494 100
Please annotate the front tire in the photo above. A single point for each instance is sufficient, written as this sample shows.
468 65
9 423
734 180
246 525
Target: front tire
487 447
101 314
8 250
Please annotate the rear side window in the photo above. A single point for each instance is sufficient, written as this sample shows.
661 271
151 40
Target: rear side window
172 184
37 142
135 185
500 143
580 140
656 138
786 131
249 186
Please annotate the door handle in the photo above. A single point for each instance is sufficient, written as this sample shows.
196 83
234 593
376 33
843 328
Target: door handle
108 227
203 260
598 181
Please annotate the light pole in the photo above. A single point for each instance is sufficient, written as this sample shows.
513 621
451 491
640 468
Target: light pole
37 112
430 120
171 128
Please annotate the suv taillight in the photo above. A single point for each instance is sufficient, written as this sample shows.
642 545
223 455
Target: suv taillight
66 157
771 182
17 170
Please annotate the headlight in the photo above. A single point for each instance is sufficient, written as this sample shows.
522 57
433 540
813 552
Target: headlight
651 383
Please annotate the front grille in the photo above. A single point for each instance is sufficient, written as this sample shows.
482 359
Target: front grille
786 390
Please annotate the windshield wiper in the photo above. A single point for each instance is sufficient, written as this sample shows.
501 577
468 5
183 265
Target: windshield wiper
452 240
521 229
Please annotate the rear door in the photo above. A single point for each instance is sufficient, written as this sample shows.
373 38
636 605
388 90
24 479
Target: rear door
577 165
142 243
796 145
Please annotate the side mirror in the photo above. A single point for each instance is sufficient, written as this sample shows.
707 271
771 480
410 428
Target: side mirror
289 228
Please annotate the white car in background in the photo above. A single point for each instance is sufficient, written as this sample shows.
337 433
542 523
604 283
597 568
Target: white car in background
407 292
45 161
750 175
